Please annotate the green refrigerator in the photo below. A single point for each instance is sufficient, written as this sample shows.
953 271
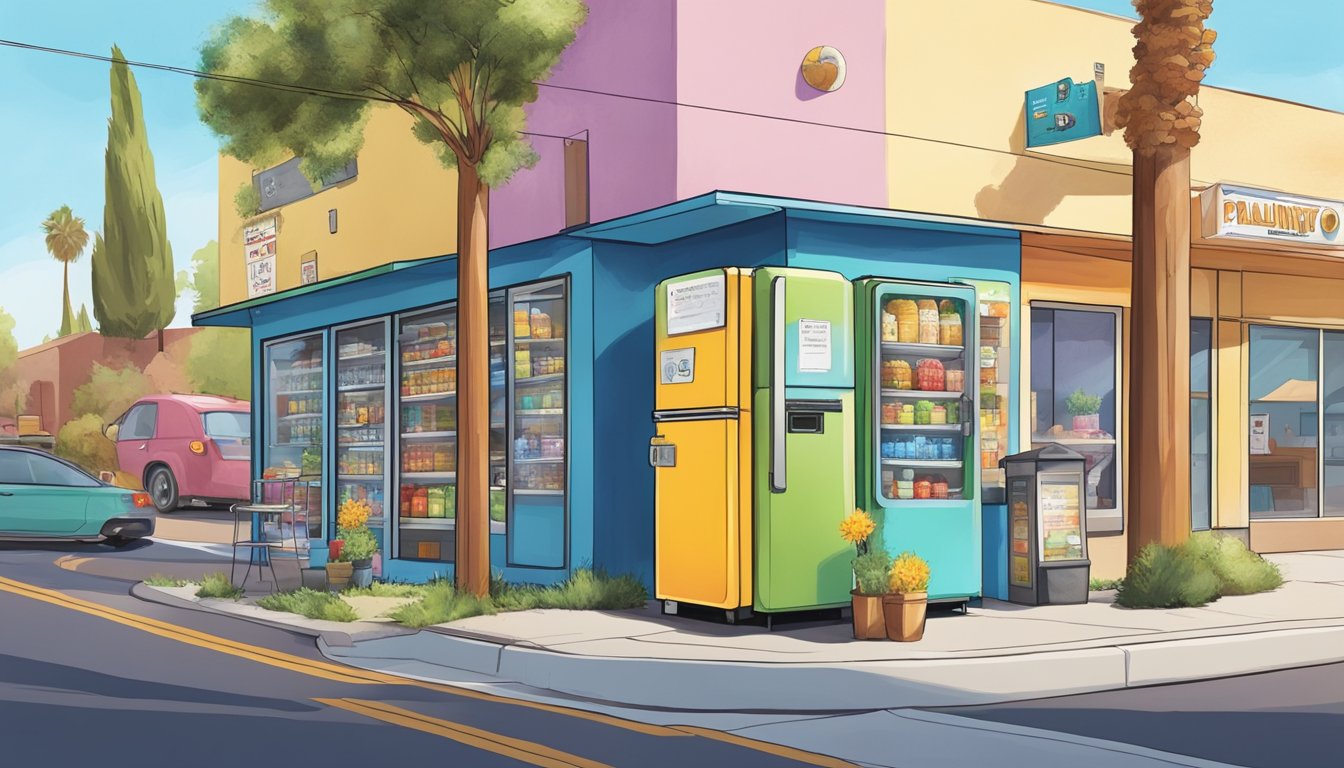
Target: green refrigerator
919 371
803 398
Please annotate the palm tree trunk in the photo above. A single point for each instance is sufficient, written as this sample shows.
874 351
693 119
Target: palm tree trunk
1159 394
67 316
473 383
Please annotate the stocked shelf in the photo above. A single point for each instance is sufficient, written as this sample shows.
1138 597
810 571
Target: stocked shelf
538 341
360 478
430 476
923 427
375 388
377 354
939 351
540 412
921 394
430 397
426 523
296 416
429 361
539 379
297 392
428 435
536 492
542 460
924 463
1035 440
360 444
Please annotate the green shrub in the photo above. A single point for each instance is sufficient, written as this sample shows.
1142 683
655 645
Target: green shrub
82 441
218 585
588 590
110 391
1167 577
219 362
441 603
385 589
1239 570
1101 585
584 590
871 571
310 603
159 580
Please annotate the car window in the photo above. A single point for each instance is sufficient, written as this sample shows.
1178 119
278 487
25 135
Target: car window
227 424
139 423
14 468
47 471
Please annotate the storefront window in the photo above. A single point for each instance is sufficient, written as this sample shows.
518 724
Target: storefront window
427 492
1201 423
1284 366
361 419
1075 382
294 422
1332 434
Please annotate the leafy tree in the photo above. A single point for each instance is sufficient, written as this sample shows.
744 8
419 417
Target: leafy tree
82 441
9 346
463 71
205 277
220 362
82 324
110 391
14 392
133 287
66 241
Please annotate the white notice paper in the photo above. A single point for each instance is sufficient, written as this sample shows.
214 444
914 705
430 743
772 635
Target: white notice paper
814 346
261 277
696 305
1260 433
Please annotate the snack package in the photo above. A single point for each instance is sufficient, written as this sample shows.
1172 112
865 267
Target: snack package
949 324
928 321
930 376
907 320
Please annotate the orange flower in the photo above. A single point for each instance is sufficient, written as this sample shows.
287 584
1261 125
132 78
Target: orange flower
352 514
857 527
909 573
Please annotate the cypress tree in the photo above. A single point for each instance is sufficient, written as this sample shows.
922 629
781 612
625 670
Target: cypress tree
133 285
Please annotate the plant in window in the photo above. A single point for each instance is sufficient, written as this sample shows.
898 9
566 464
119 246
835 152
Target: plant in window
1084 409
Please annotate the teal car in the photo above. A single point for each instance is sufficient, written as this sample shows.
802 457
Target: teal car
45 497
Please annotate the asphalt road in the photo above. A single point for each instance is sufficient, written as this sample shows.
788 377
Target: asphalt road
90 675
1288 719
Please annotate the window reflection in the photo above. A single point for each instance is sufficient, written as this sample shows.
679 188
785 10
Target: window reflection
1284 365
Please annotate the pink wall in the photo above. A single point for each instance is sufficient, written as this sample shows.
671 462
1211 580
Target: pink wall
745 56
626 47
742 55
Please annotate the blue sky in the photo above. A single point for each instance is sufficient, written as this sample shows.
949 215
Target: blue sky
53 115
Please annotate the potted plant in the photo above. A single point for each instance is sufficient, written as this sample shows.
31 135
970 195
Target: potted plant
353 550
905 605
870 576
1084 409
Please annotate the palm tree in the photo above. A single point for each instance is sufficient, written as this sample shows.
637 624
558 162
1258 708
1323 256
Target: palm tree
66 240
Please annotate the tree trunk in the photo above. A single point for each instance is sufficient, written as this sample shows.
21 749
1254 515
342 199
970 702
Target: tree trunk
67 317
160 339
473 383
1159 383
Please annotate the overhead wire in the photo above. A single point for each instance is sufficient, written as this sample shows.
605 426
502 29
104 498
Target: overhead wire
338 94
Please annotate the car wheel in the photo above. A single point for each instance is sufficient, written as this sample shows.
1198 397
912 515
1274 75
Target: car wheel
162 487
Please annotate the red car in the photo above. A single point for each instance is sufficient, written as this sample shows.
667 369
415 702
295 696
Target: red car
187 448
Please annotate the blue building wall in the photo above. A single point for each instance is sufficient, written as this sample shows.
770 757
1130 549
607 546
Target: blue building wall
625 371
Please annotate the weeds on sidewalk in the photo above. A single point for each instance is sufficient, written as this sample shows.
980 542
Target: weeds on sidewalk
311 604
1101 585
218 585
384 589
1197 572
584 590
159 580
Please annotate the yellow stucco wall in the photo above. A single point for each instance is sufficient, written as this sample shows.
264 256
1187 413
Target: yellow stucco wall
958 73
401 206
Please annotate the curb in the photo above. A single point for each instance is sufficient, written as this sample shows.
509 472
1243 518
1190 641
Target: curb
148 594
709 686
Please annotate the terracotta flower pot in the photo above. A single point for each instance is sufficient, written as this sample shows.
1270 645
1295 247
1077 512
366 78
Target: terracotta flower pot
868 622
1087 423
338 575
904 614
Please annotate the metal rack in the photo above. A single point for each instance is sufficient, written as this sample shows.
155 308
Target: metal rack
274 526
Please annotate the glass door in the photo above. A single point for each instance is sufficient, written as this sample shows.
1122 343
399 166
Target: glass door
992 368
427 473
538 316
924 381
361 418
294 383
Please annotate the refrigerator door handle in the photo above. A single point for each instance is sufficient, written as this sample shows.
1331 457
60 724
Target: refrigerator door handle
968 412
778 419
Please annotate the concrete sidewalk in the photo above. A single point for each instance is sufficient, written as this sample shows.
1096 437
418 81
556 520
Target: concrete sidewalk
998 652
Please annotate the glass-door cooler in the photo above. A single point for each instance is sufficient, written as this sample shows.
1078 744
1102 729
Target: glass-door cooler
294 376
361 419
538 426
427 471
921 471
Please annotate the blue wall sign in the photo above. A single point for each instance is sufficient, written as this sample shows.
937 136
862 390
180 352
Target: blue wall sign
1062 111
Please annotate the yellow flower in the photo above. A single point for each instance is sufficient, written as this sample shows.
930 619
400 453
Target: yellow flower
857 527
909 573
352 514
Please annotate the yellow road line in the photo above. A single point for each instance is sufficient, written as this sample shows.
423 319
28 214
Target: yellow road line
518 749
779 750
301 665
72 563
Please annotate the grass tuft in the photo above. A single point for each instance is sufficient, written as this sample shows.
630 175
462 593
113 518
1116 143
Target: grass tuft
1101 585
218 585
584 590
310 603
384 589
159 580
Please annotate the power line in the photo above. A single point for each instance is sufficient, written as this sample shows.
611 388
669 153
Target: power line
335 94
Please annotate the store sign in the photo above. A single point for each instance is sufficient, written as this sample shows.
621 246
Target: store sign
696 305
259 251
1062 111
1257 214
308 268
261 277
